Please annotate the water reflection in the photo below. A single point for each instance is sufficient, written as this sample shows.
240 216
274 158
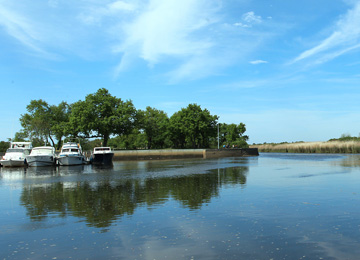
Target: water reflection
233 208
104 196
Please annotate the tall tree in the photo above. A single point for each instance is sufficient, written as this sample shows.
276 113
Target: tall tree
101 115
44 122
155 124
193 127
232 134
60 119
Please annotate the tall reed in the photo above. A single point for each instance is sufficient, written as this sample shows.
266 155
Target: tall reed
311 147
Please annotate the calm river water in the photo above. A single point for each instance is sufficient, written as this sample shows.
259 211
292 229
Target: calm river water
275 206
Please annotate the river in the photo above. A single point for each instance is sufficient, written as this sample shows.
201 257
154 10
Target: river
274 206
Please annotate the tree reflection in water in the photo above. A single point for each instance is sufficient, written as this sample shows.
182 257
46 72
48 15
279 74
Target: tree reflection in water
101 203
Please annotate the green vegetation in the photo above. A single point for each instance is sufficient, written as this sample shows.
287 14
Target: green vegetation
102 119
44 122
344 144
345 138
4 146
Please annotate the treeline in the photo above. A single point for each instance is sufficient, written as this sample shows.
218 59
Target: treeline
109 121
346 137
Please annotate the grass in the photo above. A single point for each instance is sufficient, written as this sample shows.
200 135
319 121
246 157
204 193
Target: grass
311 147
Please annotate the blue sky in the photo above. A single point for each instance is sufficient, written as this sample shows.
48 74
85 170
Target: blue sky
289 70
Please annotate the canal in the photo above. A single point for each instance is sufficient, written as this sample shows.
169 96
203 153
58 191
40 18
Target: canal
274 206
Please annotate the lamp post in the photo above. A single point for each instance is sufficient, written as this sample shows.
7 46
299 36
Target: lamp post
218 137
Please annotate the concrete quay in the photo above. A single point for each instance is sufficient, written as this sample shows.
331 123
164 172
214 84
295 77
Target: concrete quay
161 154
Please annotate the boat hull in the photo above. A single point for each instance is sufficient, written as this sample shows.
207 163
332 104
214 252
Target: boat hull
13 163
70 160
102 159
42 160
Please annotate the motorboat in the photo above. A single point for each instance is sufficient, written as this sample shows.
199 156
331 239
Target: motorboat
41 156
102 156
71 154
15 155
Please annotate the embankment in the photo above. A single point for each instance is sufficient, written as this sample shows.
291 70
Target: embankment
182 154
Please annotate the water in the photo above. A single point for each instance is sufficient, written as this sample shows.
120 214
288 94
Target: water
275 206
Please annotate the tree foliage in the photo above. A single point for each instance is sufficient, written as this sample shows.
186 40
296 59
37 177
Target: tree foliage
44 122
192 127
233 135
101 115
154 124
4 146
119 124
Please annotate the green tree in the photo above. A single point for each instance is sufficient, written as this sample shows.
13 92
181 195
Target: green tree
134 140
193 127
4 146
155 125
44 122
60 120
232 134
100 116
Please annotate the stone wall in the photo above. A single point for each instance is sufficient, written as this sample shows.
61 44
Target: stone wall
181 153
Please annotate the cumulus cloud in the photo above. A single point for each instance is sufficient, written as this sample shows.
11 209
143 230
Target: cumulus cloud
344 38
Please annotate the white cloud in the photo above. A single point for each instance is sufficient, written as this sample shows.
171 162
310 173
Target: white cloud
248 20
121 6
21 28
258 62
191 37
345 38
251 18
165 28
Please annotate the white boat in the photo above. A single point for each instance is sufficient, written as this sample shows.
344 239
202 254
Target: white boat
71 154
102 155
42 156
15 156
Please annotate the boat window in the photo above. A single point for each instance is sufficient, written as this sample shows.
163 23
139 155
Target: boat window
41 151
74 150
102 149
65 150
14 150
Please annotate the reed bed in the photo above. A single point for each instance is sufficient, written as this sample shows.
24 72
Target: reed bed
311 147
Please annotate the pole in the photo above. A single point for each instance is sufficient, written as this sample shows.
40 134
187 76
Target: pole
218 138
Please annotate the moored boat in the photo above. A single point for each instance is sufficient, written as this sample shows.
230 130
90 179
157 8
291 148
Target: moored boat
102 156
42 156
71 154
15 156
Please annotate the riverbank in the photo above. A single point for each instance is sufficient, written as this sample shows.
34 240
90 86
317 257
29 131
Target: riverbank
162 154
350 147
